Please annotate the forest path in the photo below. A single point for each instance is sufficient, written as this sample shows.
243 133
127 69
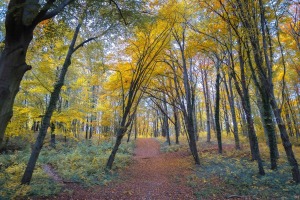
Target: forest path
153 175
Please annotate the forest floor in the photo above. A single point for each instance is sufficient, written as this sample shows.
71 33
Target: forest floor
160 171
152 175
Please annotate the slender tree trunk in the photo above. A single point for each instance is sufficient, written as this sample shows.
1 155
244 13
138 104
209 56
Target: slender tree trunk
286 142
112 156
165 124
244 94
87 128
226 117
217 109
47 117
91 127
53 142
177 124
129 132
135 127
294 117
206 98
229 92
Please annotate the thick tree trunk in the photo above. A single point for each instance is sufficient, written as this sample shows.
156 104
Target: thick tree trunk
21 19
12 70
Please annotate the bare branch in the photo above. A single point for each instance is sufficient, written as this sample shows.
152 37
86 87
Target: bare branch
119 10
45 14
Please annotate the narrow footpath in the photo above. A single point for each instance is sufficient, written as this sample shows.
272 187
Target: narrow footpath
152 175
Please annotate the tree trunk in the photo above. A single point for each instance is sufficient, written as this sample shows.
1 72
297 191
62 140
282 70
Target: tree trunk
12 70
165 124
112 156
129 132
135 127
20 21
229 92
217 109
91 127
47 117
177 124
286 142
226 117
53 142
244 94
206 98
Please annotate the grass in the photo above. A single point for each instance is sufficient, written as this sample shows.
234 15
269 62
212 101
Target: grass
83 162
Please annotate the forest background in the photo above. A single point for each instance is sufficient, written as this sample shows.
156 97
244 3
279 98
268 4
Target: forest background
189 71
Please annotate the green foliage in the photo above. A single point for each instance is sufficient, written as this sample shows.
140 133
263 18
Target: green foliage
239 176
12 167
83 163
165 147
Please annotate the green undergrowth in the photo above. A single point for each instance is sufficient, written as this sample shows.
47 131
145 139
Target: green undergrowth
166 148
83 163
234 174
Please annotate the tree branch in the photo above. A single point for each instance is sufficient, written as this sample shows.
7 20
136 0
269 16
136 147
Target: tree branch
45 14
119 10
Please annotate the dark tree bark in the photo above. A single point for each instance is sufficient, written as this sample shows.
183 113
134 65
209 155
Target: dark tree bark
217 108
91 127
230 96
244 95
135 127
87 128
177 124
52 142
130 130
226 117
187 107
49 111
206 98
286 142
22 17
165 120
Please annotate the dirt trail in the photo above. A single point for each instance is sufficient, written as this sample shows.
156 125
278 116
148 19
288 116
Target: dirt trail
152 176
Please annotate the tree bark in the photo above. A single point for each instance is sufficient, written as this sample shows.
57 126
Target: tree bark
177 124
286 142
206 98
217 109
50 109
229 92
21 18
